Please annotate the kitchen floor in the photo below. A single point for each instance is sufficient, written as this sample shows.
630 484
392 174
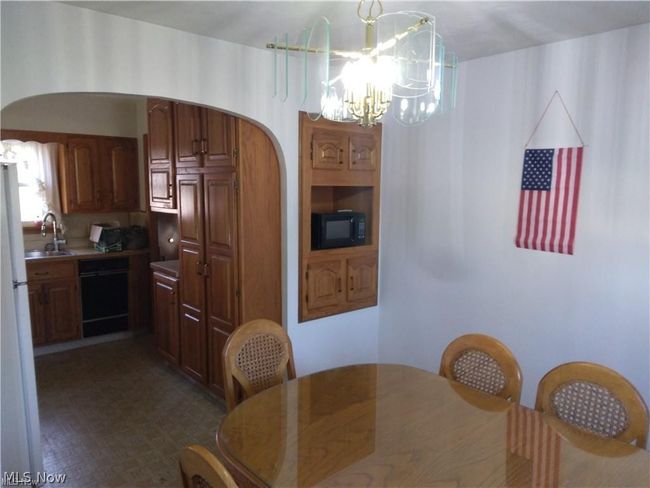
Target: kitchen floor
116 415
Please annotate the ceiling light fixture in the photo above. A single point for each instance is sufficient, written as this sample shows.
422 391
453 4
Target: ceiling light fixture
402 68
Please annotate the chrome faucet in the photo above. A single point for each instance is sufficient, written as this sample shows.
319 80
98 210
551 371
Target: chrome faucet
55 226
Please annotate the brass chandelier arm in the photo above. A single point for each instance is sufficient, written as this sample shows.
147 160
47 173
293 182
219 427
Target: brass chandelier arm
335 52
354 54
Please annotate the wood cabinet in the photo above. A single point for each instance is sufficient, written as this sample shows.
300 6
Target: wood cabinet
162 177
204 138
227 196
119 188
339 170
208 268
54 302
99 174
80 174
165 316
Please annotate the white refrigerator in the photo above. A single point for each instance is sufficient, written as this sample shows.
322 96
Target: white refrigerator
20 447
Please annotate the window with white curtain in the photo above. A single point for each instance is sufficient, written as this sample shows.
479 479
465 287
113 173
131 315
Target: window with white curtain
37 178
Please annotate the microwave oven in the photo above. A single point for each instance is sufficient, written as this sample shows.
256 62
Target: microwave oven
341 229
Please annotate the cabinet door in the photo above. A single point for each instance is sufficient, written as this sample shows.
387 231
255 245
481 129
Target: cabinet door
82 176
193 346
362 278
62 310
190 209
161 187
120 160
165 319
363 153
324 284
216 341
36 313
221 250
188 135
217 141
329 150
160 130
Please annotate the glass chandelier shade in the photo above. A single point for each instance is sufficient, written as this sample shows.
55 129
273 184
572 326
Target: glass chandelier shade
403 70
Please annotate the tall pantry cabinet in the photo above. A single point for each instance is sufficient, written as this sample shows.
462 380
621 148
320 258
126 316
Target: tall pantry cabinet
228 203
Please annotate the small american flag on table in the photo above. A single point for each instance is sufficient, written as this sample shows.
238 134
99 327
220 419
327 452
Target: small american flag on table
548 203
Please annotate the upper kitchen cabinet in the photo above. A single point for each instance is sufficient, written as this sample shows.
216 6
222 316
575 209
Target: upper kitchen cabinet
120 173
98 174
80 175
162 176
204 138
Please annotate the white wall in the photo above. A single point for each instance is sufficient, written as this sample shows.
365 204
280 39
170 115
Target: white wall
77 113
52 48
449 210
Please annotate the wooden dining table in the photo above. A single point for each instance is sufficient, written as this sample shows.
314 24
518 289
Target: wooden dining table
395 425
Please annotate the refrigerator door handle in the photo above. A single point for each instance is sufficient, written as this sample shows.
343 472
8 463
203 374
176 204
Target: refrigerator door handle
18 283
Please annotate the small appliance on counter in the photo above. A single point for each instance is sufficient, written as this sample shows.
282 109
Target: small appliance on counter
111 238
107 238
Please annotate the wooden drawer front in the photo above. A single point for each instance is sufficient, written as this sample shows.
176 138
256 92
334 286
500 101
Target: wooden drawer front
49 270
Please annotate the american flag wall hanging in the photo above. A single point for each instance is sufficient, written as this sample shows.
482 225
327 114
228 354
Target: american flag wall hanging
550 189
548 202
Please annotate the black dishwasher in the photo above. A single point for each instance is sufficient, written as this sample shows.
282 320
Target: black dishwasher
104 295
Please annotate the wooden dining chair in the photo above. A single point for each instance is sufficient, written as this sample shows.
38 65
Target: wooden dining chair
595 399
258 355
201 469
483 363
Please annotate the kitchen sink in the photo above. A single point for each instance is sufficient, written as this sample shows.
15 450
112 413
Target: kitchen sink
46 254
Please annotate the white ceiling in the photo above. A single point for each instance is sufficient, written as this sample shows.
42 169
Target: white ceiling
472 29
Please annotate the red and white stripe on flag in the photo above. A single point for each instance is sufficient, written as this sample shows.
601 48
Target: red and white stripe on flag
547 218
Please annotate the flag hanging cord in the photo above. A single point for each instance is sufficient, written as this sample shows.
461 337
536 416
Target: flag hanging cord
556 93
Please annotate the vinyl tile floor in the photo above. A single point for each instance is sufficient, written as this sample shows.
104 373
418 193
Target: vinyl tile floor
115 414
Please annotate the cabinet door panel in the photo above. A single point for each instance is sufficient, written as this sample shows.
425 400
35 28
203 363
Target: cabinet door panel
161 185
190 209
221 303
329 150
362 278
217 340
121 161
219 211
166 316
324 284
363 153
217 139
221 250
82 178
160 127
36 314
62 310
192 286
193 345
188 135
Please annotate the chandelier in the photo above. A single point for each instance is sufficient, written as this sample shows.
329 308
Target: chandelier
403 69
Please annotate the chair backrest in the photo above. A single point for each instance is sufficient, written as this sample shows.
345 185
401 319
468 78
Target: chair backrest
595 399
258 355
201 469
483 363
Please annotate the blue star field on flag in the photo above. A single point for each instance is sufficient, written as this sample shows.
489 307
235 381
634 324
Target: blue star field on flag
538 169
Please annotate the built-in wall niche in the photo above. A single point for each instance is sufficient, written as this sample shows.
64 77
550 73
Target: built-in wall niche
167 227
332 199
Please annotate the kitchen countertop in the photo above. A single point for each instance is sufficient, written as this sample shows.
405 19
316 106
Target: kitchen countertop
169 268
86 253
